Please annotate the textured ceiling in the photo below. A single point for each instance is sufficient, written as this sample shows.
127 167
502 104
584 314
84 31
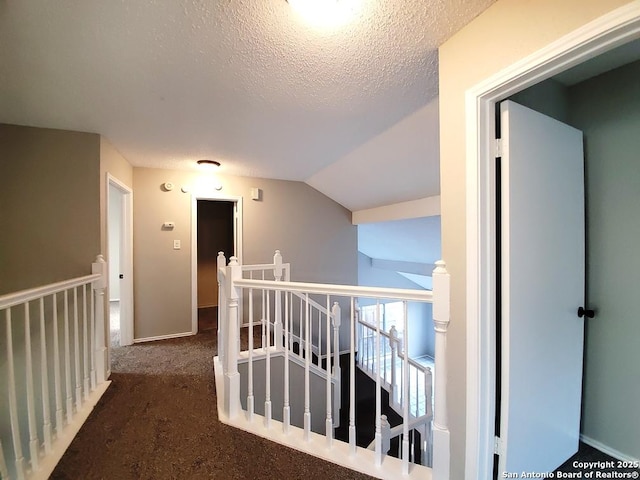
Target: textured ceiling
248 83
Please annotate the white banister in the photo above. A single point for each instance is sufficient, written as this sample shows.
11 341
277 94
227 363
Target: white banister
295 336
32 325
232 377
441 306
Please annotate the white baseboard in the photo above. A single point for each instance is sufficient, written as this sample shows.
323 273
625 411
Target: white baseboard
608 450
162 337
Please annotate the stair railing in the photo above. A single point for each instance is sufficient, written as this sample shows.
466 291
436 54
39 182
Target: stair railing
55 370
301 436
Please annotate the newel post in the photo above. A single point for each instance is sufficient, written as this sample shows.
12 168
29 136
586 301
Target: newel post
441 305
99 285
231 375
222 305
278 271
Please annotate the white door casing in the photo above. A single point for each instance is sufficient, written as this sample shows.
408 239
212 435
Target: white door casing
237 244
617 27
542 278
126 256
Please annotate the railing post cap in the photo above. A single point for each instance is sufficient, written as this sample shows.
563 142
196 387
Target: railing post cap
233 261
441 267
100 258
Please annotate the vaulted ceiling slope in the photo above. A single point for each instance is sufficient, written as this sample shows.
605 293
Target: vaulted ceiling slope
248 83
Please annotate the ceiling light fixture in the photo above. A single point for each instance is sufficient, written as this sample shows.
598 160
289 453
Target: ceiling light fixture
326 14
208 164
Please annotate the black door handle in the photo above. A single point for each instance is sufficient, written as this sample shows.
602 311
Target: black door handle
121 276
586 313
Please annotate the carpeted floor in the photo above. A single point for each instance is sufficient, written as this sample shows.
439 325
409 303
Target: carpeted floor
158 420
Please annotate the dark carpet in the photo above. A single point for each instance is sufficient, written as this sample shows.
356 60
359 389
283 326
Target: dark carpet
158 420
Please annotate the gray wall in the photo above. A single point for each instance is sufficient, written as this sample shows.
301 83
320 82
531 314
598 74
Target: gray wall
607 110
313 233
421 335
49 205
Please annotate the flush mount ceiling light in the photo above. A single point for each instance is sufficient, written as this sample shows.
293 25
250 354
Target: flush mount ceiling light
326 13
208 164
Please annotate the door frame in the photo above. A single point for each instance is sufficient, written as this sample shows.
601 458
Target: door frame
609 31
126 256
237 243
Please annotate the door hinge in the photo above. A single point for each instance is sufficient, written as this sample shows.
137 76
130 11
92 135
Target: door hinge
497 445
498 148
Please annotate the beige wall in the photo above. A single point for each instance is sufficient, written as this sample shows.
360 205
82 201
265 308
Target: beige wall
49 205
505 33
313 233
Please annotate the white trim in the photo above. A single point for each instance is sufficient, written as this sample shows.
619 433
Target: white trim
613 29
612 452
422 207
237 240
163 337
126 255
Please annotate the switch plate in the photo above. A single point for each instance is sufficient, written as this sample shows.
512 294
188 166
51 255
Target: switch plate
176 244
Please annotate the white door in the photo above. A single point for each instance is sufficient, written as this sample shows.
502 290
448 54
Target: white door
542 275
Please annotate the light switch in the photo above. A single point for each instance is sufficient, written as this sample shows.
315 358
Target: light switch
176 244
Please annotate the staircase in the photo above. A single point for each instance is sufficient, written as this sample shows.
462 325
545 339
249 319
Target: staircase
297 365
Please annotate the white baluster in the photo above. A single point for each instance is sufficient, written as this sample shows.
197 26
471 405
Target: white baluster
336 314
267 396
263 316
232 377
44 377
329 419
278 271
57 381
352 380
405 394
378 434
286 409
13 402
85 342
67 359
92 335
307 363
102 362
300 337
76 350
250 397
441 440
393 344
222 299
31 409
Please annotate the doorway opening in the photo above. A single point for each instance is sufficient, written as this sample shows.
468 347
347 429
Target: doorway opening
119 215
216 227
617 28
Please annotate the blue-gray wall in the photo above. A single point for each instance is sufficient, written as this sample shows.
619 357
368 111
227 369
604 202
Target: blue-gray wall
607 110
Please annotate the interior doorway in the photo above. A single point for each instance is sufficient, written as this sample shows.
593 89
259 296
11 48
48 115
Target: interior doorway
120 261
216 227
602 35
